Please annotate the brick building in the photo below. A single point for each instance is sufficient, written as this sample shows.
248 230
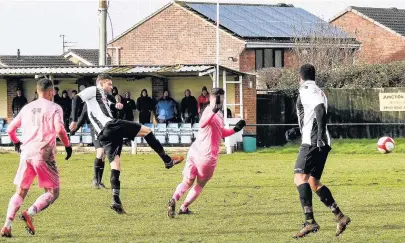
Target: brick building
381 32
252 36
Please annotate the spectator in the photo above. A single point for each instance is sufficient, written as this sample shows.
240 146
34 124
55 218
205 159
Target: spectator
145 106
18 103
119 114
189 107
74 93
203 100
166 109
56 97
129 107
35 96
66 104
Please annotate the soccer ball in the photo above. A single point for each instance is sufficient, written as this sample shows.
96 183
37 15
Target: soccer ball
385 145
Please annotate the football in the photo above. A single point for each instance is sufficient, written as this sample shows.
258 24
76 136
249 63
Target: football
385 145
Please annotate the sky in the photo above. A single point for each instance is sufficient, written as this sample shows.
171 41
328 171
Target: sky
35 26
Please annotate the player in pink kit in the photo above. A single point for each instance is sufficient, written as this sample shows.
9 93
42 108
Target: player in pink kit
203 154
41 121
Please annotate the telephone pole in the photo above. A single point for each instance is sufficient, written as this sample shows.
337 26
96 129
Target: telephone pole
102 32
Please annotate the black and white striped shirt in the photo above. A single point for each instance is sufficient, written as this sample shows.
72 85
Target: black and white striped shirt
310 96
98 107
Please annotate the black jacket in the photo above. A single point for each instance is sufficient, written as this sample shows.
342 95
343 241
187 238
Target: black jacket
66 104
145 104
129 107
18 103
190 105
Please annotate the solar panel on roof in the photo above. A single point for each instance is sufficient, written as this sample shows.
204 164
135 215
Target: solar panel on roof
264 21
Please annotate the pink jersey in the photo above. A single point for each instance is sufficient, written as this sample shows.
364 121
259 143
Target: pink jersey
207 144
40 120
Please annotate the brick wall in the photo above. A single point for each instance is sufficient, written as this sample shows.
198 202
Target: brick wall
177 36
158 87
378 44
290 59
249 102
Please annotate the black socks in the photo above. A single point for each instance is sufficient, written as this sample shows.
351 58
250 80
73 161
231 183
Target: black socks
157 147
98 169
115 185
326 197
305 193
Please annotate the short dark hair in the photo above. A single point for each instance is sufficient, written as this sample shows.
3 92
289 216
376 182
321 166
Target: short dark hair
57 89
44 84
103 76
217 91
74 91
307 72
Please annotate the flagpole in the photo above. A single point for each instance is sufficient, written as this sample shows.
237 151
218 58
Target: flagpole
217 69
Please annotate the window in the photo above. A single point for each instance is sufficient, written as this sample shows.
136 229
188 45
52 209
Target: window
266 58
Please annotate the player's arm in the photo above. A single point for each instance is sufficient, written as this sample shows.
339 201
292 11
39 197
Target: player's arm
320 115
12 131
82 119
208 115
226 132
61 132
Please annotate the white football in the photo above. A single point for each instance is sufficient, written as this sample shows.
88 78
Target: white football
385 145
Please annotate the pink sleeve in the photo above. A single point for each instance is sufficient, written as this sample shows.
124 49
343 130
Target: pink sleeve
12 128
226 132
60 127
206 118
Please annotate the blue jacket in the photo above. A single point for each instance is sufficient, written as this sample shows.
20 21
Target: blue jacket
166 109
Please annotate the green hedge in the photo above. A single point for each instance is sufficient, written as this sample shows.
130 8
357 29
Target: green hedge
354 76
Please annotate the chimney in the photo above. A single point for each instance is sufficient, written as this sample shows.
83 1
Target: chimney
18 54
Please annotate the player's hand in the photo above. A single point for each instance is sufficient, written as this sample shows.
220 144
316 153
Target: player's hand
320 144
239 126
69 152
73 126
119 106
72 132
218 105
17 147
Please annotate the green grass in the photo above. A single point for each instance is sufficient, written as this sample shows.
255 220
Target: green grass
251 198
342 146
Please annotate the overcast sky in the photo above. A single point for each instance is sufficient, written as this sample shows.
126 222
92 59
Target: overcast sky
34 26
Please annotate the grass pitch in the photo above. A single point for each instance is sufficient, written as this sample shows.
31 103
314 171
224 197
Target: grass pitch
251 198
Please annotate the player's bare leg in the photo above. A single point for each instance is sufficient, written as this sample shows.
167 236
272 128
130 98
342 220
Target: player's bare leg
150 138
180 190
14 205
42 202
192 195
304 190
326 197
116 185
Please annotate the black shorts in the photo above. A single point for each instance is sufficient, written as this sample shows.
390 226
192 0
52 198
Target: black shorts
113 134
95 140
311 161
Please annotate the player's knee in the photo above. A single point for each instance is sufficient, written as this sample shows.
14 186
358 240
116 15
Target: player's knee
22 192
315 184
188 182
300 179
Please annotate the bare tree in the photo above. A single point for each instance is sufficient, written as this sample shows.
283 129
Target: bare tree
321 44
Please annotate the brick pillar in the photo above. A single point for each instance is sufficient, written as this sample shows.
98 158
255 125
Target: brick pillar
249 102
158 87
12 85
247 64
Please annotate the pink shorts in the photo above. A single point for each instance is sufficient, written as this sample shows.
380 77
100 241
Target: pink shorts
202 169
47 172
